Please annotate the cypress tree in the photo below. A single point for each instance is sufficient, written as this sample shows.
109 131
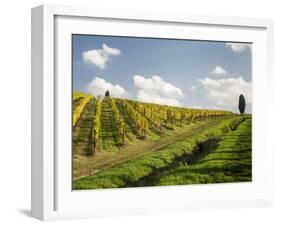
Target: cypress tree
107 93
242 104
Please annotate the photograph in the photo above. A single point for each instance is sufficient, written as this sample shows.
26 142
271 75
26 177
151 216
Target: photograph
152 111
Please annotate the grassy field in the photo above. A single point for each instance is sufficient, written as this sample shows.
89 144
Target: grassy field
134 172
230 160
84 165
166 155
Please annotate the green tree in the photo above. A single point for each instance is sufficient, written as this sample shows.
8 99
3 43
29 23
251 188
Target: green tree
242 104
107 93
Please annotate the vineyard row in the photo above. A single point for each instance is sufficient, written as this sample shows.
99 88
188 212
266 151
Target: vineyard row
143 116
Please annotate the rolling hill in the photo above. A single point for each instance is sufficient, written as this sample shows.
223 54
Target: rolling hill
116 140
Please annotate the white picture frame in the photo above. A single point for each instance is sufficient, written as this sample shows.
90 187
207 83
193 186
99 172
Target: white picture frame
52 198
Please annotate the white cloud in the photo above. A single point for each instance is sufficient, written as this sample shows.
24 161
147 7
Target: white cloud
154 97
196 106
238 47
156 83
205 107
218 70
156 90
212 107
226 91
111 51
98 86
100 57
193 88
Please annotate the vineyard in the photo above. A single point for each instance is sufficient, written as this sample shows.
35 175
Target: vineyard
124 143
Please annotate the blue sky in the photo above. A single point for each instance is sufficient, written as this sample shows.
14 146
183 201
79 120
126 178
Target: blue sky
200 74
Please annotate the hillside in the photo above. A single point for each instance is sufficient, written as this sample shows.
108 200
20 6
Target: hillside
125 121
112 132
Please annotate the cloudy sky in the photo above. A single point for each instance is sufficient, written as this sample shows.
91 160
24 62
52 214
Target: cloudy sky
195 74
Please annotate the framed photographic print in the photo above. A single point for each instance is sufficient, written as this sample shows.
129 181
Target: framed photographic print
137 112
